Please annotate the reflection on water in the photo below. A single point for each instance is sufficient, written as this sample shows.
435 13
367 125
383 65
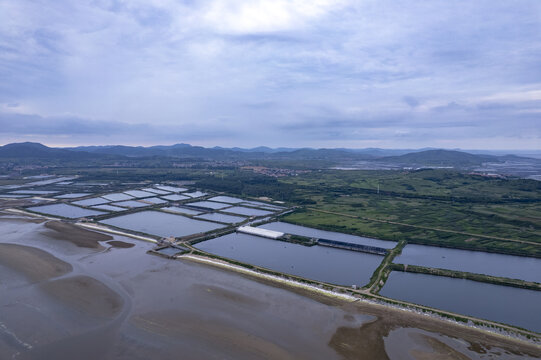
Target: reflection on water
516 267
315 262
161 224
505 304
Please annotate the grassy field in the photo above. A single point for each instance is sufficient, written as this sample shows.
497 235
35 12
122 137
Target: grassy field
435 207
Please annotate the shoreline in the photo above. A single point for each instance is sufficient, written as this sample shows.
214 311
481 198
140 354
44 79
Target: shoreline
500 331
116 232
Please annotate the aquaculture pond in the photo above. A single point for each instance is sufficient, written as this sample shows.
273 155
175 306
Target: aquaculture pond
320 263
181 210
91 201
230 219
330 235
227 199
482 300
161 224
515 267
175 197
65 210
240 210
209 204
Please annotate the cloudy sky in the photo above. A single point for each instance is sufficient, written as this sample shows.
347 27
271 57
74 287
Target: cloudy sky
360 73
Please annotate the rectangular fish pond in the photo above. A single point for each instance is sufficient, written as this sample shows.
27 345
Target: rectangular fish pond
506 304
516 267
65 210
161 224
319 263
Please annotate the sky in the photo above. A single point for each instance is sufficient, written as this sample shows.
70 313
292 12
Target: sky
319 73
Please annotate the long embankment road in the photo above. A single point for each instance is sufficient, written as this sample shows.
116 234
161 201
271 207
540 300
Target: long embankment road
363 295
428 228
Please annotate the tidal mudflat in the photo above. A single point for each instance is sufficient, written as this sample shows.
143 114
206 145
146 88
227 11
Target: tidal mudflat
120 303
161 224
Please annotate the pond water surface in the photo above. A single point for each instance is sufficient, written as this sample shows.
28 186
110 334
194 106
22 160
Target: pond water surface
505 304
161 224
515 267
320 263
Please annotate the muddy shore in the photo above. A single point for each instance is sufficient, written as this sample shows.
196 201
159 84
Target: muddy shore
138 306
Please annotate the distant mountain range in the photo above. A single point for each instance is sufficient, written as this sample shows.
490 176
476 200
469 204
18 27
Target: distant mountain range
417 158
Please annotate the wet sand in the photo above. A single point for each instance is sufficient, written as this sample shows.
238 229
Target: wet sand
85 294
76 235
125 304
120 244
35 264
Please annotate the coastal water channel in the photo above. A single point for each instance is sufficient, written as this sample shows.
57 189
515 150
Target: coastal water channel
510 305
515 267
320 263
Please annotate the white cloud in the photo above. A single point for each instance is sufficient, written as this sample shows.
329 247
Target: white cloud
264 16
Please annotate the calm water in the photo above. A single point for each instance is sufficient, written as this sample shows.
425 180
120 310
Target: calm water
118 197
516 267
156 191
181 210
139 193
247 211
196 194
316 233
230 219
505 304
72 196
65 210
161 224
153 200
209 204
316 262
227 199
108 207
92 201
262 205
175 197
130 204
170 188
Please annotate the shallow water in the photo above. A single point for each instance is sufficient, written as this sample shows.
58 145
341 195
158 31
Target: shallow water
316 233
176 310
515 267
175 197
209 204
229 219
227 199
161 224
320 263
240 210
91 201
65 210
505 304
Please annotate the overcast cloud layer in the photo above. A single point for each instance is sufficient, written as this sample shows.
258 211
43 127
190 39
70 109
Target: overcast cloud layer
360 73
